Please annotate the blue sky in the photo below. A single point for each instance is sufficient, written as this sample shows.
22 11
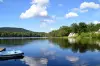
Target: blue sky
46 15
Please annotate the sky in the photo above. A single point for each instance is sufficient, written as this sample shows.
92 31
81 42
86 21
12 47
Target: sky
47 15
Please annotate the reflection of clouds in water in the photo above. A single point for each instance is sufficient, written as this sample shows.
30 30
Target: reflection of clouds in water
51 45
72 58
48 53
81 63
43 49
76 61
71 40
35 62
96 50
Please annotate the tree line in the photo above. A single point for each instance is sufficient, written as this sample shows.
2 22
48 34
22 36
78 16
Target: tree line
81 28
22 34
19 32
78 28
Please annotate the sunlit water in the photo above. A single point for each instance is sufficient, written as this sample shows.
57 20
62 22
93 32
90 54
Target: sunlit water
53 52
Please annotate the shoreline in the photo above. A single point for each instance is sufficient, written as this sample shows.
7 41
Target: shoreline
20 37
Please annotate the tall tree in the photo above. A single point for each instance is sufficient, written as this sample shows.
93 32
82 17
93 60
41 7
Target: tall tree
75 27
82 27
91 27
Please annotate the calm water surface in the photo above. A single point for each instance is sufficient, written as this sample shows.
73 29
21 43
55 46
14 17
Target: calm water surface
53 52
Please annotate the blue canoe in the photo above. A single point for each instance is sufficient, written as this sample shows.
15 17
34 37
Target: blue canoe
10 54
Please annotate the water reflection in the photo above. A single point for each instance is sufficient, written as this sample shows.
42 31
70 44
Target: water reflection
81 46
72 58
51 54
71 40
54 52
18 41
11 58
35 61
81 64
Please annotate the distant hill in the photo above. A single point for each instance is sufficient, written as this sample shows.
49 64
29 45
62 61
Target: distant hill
19 32
13 29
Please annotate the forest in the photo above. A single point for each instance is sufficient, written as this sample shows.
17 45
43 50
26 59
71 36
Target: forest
19 32
81 29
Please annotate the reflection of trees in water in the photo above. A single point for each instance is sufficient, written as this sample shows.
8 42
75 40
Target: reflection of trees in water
81 46
61 42
13 42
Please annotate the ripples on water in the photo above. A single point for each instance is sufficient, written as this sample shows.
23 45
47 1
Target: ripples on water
53 52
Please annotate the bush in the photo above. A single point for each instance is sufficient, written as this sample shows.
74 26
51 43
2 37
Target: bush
85 34
90 35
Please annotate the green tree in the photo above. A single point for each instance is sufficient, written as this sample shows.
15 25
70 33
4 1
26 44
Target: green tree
82 27
75 28
91 27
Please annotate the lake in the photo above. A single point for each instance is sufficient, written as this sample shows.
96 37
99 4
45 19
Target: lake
53 52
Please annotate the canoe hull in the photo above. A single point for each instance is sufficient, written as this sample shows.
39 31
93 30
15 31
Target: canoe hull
11 56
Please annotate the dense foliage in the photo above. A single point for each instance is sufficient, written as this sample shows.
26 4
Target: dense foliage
63 31
13 29
19 32
75 28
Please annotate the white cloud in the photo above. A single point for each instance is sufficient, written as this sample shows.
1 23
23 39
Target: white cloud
96 22
43 13
40 2
46 22
71 14
89 5
60 5
83 7
38 8
83 11
75 9
80 10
